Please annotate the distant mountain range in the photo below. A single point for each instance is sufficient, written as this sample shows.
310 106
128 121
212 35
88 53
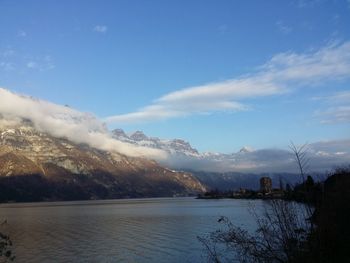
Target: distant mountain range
53 152
181 155
36 166
175 146
213 169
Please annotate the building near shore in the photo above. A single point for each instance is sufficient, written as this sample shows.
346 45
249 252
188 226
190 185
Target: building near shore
265 185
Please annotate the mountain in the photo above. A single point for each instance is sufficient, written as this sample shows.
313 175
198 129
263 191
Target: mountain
241 169
174 147
323 155
183 156
246 149
37 166
54 152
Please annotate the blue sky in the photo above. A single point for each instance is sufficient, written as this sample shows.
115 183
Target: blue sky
124 61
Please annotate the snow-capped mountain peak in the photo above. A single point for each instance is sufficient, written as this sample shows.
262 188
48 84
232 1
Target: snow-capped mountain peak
175 146
246 149
138 136
119 133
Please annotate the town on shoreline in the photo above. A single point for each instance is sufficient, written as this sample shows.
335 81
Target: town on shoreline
266 191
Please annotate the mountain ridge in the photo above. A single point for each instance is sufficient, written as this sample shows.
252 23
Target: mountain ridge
324 155
25 151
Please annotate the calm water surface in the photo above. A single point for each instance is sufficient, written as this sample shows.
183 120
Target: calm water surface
133 230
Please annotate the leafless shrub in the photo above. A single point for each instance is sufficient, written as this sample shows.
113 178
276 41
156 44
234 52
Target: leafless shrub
282 232
6 254
301 158
280 236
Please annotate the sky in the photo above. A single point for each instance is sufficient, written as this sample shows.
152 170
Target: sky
219 74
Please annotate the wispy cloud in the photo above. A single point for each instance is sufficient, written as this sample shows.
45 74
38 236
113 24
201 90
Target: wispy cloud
9 52
338 109
100 29
337 97
323 155
21 33
6 59
41 63
223 29
7 66
32 64
340 114
335 19
283 73
307 3
283 27
80 127
11 59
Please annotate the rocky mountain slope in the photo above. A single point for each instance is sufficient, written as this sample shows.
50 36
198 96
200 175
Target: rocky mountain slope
232 171
183 156
37 166
175 146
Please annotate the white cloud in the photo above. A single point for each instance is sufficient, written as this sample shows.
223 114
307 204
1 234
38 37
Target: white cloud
21 33
11 59
338 109
339 97
335 19
307 3
41 63
283 27
32 64
6 59
80 127
340 114
282 73
62 121
8 66
322 156
7 53
100 28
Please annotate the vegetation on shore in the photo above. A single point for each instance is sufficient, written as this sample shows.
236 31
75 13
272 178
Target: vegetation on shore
308 224
298 193
316 230
6 253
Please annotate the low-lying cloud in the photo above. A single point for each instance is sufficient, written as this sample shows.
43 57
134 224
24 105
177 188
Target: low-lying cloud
80 127
322 156
62 121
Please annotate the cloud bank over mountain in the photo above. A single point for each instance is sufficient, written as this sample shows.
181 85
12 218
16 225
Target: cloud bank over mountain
322 156
62 121
80 127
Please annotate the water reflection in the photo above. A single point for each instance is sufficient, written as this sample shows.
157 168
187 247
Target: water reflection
138 230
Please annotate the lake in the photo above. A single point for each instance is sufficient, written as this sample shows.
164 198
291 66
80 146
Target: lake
129 230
